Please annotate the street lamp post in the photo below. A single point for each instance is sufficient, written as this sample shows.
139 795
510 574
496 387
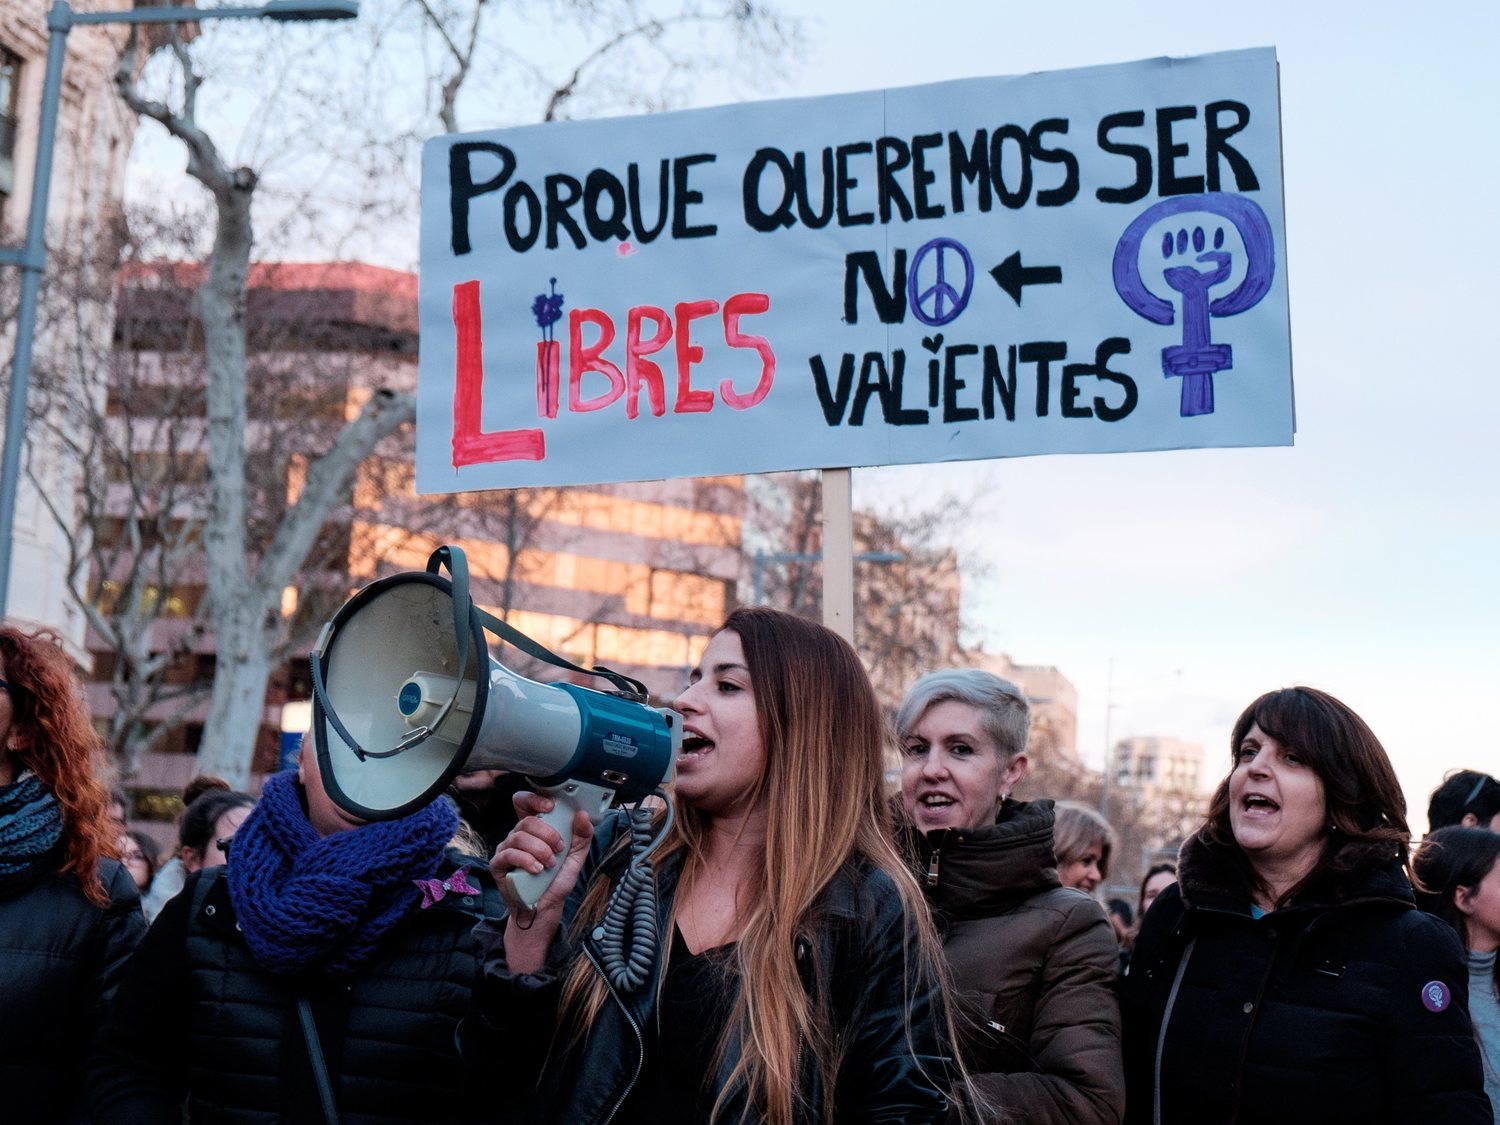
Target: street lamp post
762 558
31 257
1109 765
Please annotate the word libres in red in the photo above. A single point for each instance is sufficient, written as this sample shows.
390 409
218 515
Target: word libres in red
648 330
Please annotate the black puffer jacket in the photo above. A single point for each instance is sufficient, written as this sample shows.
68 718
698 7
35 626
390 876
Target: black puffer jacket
61 958
1034 964
893 1054
1347 1007
197 1020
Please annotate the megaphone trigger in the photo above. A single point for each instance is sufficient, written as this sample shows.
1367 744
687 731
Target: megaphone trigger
568 799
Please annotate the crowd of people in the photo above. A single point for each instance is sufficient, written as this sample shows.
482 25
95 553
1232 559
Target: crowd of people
786 941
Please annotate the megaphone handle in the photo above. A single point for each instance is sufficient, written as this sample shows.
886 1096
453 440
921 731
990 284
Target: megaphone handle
567 799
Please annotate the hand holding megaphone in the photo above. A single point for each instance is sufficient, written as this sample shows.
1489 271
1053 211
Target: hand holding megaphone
546 849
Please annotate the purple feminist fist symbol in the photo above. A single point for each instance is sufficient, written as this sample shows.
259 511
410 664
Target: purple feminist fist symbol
1202 267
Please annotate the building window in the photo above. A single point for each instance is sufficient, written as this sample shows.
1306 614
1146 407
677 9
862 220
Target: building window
10 74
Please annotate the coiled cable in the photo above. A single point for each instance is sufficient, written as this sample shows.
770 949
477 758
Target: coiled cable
627 935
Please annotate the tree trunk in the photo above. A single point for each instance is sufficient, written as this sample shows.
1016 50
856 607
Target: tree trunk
239 700
243 663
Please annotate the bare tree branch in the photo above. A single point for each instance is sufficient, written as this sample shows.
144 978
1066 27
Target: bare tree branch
328 478
463 57
204 163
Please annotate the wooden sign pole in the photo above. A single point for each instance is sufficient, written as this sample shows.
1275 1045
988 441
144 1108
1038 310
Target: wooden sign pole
838 553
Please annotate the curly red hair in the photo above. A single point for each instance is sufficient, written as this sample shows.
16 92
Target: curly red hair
53 735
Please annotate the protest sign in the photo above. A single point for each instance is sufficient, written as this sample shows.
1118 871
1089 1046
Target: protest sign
1083 261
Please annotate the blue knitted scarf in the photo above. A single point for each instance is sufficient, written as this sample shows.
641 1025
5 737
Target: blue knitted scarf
31 824
325 903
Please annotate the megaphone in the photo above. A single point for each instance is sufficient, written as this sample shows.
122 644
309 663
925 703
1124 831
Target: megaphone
403 675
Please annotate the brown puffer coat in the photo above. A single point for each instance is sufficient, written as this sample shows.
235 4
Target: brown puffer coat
1034 964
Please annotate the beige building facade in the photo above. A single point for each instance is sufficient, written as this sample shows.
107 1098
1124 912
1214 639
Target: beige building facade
94 135
1155 764
1053 699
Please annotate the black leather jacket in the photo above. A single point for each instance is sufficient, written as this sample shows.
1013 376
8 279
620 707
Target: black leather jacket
894 1060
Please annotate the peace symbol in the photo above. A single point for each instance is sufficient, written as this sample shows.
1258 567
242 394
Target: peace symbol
939 302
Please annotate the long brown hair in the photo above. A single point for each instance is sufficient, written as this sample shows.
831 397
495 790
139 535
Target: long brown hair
1366 809
824 736
56 741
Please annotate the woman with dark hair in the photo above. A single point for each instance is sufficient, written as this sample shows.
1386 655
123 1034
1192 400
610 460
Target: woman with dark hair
795 976
69 913
173 873
208 825
1158 877
319 976
1033 963
1458 879
138 854
1287 976
1467 799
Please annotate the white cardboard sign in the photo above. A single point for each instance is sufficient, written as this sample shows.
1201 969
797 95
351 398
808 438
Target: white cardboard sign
1083 261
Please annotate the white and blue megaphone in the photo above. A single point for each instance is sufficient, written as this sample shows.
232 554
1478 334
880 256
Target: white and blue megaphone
406 696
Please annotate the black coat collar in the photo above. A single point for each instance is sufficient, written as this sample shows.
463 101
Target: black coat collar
1216 876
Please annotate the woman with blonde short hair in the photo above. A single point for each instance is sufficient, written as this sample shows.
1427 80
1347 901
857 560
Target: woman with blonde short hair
1032 961
1083 841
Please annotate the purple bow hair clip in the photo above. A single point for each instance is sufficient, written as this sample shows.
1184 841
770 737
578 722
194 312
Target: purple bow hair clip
433 890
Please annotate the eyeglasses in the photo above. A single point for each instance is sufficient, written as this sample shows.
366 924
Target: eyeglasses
5 686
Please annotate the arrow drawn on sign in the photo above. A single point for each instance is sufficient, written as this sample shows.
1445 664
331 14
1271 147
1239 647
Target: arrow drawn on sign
1011 276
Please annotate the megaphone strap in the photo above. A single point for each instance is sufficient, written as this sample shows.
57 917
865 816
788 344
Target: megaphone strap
320 698
458 566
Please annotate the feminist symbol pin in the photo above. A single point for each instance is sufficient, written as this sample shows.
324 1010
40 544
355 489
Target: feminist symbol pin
1435 996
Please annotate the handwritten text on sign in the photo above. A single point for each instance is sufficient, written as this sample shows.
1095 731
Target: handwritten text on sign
1073 262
